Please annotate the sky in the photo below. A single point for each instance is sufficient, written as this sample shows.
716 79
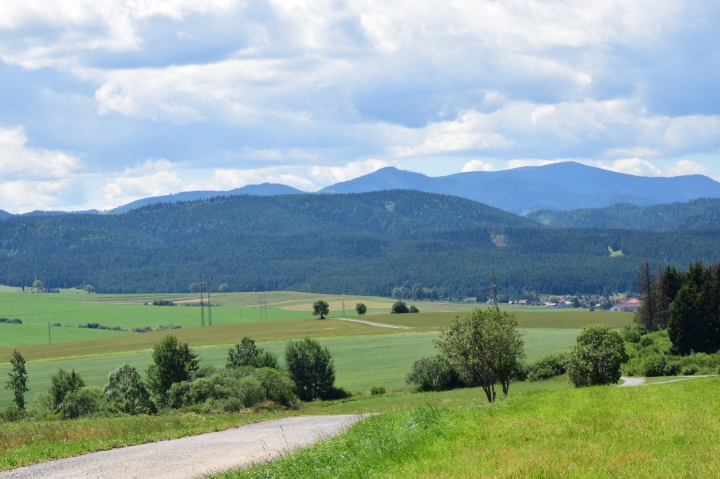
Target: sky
103 102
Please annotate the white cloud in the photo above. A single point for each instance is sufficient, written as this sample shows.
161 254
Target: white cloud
687 167
327 175
476 165
19 161
634 166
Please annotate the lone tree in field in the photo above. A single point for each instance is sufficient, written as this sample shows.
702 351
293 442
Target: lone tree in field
485 348
311 368
321 308
245 353
174 362
361 309
224 288
89 289
125 389
18 379
596 357
38 285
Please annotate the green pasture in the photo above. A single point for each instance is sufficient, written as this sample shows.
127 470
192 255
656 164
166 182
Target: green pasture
15 335
361 362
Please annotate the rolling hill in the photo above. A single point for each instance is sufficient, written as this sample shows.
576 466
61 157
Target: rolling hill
701 214
365 243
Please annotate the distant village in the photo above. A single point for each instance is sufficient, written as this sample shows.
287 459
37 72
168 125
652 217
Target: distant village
614 304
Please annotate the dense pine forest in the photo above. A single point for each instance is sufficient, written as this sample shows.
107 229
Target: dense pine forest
365 243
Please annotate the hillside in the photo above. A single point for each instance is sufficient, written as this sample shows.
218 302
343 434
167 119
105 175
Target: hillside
560 186
365 243
4 214
701 214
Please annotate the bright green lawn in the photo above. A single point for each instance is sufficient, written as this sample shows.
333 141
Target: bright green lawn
659 431
361 362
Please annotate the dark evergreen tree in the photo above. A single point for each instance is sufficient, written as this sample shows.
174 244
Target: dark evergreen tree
647 287
173 362
311 368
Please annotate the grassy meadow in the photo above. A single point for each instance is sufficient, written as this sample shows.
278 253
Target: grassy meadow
666 430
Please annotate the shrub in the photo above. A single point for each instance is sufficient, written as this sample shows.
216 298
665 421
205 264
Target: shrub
413 309
646 341
547 368
146 329
162 302
690 369
127 391
219 391
336 393
85 402
246 353
656 366
311 368
433 374
377 391
13 413
361 309
596 357
399 307
63 383
278 387
632 334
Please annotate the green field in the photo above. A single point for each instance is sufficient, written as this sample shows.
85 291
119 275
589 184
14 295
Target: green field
361 362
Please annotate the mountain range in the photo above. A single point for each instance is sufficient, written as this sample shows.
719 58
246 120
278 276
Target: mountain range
560 187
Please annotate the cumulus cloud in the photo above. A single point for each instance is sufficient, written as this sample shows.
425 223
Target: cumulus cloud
477 165
19 161
687 167
634 166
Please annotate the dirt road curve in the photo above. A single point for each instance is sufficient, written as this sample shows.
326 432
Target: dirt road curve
191 457
370 323
630 382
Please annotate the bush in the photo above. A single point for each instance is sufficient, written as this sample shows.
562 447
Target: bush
690 370
646 341
633 334
377 391
596 357
399 307
85 402
219 391
361 309
13 413
63 383
547 368
413 309
126 390
146 329
433 374
278 387
246 353
311 368
162 302
656 366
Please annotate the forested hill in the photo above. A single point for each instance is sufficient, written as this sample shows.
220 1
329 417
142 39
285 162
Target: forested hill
4 214
356 243
701 214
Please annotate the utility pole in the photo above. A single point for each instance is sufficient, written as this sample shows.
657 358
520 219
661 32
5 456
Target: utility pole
202 305
494 290
209 304
343 305
49 337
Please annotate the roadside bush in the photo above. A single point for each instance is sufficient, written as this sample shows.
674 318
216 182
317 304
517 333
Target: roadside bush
690 370
377 391
335 393
277 386
127 392
63 383
85 402
399 307
656 366
547 368
433 374
311 368
596 357
218 392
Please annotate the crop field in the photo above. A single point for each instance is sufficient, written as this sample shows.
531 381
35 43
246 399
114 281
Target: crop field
361 361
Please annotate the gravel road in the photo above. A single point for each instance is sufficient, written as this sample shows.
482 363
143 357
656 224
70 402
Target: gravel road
630 382
193 456
370 323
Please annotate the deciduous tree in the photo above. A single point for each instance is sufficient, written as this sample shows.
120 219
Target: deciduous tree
321 308
596 357
18 379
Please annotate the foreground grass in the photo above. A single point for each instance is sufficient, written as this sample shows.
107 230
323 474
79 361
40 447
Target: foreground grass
360 361
659 431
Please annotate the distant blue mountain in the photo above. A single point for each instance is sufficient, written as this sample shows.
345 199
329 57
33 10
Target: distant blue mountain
264 189
560 186
4 214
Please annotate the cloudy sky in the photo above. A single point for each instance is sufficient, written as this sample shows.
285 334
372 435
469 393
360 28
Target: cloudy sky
106 101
